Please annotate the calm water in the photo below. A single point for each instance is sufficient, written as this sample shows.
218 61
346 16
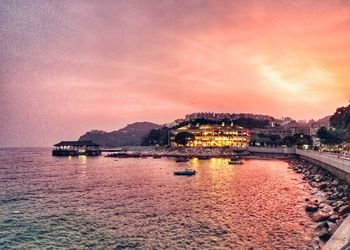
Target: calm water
104 203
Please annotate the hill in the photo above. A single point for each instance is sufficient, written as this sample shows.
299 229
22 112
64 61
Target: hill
131 135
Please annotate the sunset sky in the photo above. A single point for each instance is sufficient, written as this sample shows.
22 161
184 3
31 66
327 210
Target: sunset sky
72 66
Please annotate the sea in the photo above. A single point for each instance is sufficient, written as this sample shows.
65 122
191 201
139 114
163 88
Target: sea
49 202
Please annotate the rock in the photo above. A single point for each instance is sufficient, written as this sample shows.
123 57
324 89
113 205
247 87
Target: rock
311 208
323 185
344 209
332 227
321 205
335 182
334 217
320 216
339 203
323 233
321 225
326 209
334 195
318 178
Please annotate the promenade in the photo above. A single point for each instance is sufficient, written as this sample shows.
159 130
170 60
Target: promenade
336 163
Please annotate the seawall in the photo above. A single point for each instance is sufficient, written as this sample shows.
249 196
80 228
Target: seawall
337 165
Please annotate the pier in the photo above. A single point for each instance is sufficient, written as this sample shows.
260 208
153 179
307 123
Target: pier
75 148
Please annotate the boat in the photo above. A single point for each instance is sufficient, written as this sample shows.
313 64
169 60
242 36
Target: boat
203 157
235 161
157 156
181 159
187 171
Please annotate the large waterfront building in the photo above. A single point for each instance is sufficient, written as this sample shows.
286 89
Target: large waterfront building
214 135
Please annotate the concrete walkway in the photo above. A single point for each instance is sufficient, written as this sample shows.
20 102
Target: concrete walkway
340 240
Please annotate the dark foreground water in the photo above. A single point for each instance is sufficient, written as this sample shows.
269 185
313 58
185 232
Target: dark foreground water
102 203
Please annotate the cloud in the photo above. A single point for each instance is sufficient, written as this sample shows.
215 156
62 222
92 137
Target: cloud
71 66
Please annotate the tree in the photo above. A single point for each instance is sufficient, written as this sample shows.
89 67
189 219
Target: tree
323 133
341 118
340 121
183 138
157 137
331 136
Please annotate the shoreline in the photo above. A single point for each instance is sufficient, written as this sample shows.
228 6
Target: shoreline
329 206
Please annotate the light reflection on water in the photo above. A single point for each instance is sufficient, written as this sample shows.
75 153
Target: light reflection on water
87 202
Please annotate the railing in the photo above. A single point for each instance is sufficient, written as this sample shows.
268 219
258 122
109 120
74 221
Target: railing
341 162
337 161
272 150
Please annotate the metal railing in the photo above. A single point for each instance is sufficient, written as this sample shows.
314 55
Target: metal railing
334 160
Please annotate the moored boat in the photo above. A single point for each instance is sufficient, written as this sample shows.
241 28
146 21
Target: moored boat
182 159
203 157
235 161
187 171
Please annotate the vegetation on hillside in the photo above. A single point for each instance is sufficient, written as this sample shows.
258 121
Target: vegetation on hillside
159 137
340 127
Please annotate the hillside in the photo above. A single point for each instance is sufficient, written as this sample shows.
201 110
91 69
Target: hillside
131 135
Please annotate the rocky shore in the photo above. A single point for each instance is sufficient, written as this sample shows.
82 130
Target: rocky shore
330 201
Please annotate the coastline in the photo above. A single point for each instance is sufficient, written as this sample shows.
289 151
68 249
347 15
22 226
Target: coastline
330 204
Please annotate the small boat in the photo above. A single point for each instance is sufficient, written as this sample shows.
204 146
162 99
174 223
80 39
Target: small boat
187 171
181 159
235 161
203 157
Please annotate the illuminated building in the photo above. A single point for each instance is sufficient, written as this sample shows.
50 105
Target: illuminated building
214 135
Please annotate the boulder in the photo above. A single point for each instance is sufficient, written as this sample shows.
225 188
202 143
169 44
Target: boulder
323 233
339 203
322 185
335 182
344 209
320 216
311 208
318 178
315 169
334 217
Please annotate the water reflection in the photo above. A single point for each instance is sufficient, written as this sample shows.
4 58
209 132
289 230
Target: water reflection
138 203
82 159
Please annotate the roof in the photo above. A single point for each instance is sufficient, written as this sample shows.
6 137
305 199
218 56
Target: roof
211 127
77 143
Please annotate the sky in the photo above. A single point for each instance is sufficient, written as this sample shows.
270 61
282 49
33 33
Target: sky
67 67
